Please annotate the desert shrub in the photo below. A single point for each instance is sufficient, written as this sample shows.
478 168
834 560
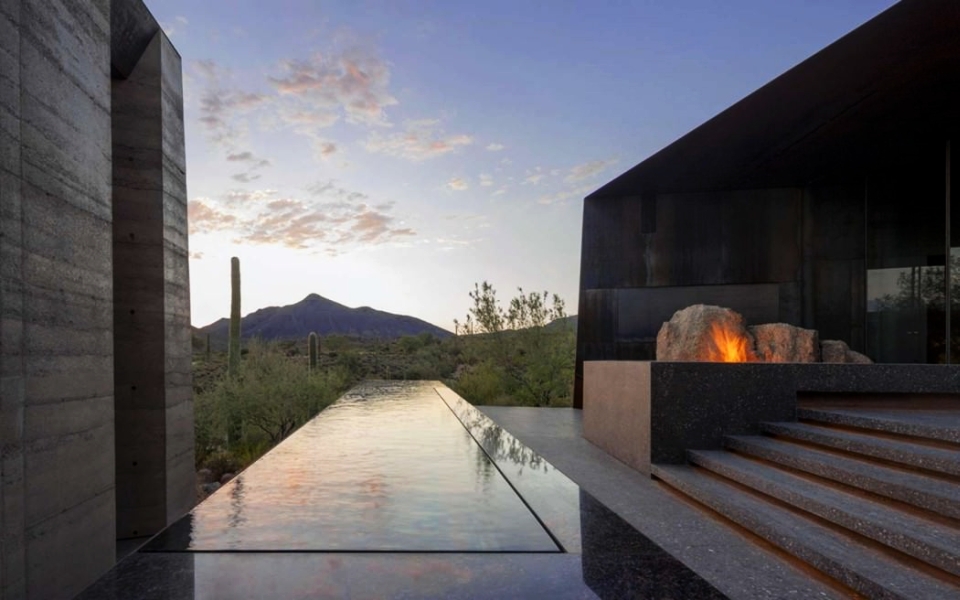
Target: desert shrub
334 342
351 364
220 461
206 426
432 359
272 395
481 384
522 355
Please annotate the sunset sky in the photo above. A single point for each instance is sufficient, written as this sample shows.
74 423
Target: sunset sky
392 153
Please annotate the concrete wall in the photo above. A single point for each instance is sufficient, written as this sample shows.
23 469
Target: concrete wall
652 412
58 453
154 410
57 411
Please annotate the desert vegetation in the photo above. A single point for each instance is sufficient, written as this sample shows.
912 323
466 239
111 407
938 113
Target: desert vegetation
519 354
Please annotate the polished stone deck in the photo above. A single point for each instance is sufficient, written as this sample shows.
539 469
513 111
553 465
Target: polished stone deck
402 489
736 563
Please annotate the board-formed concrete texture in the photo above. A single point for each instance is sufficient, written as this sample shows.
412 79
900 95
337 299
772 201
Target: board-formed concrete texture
151 308
60 285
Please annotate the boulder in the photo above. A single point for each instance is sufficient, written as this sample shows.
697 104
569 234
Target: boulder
705 333
204 476
837 351
225 478
855 358
209 488
783 343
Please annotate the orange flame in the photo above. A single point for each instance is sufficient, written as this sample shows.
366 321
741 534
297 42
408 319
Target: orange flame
730 347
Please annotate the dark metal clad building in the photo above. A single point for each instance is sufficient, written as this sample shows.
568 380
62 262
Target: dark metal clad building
822 199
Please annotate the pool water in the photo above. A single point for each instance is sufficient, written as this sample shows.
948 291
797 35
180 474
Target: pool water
389 467
400 490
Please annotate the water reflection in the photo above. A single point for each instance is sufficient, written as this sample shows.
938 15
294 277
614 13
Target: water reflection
330 485
549 493
388 467
495 440
236 504
501 446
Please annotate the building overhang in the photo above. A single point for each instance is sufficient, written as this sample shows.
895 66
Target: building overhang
861 104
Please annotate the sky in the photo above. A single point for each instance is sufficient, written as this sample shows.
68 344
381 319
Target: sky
393 153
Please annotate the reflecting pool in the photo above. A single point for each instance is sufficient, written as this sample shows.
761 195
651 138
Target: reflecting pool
388 467
400 490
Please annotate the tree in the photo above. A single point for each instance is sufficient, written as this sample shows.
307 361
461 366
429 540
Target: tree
921 294
524 352
273 394
923 287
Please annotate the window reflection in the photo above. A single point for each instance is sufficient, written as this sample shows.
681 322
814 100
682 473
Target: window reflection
906 316
906 241
955 304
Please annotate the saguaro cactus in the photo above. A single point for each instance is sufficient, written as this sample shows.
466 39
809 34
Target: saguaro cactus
233 351
314 342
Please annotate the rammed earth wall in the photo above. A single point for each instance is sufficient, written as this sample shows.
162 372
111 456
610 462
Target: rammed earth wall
59 281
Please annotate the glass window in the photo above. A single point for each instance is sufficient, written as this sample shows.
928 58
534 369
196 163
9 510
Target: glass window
906 288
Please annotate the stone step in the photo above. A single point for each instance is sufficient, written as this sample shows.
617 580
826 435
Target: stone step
934 543
925 492
941 425
904 452
839 555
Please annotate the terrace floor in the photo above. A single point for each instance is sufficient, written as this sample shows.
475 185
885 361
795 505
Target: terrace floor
403 489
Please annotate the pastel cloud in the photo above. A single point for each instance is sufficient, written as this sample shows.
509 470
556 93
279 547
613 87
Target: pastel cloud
244 177
588 169
495 147
332 192
354 84
177 26
371 227
420 140
305 95
326 149
251 162
534 176
222 110
203 217
566 194
241 198
249 158
331 218
457 184
451 243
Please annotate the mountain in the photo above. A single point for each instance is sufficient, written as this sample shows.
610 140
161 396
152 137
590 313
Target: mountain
325 317
569 321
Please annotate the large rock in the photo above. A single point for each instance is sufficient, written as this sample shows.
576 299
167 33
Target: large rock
704 333
782 343
204 476
837 351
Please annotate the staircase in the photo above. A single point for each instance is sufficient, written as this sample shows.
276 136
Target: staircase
869 496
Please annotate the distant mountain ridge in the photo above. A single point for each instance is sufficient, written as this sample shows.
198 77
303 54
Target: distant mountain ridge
323 316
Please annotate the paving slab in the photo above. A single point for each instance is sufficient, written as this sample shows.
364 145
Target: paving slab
864 568
923 491
943 425
732 562
924 456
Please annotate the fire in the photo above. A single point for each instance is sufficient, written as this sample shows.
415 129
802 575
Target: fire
730 347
